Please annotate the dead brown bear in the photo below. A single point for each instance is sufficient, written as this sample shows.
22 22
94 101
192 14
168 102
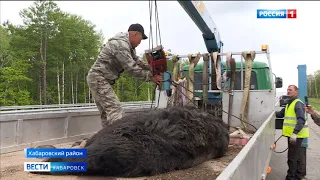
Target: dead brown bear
155 142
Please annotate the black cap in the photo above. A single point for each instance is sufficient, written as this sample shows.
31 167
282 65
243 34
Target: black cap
139 28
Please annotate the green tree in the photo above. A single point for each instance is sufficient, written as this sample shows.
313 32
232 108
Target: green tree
13 79
314 85
46 59
40 22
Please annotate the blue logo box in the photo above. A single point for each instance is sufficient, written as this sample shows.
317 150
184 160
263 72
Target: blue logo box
271 14
55 153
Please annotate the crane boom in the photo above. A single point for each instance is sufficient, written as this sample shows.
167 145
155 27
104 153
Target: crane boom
201 17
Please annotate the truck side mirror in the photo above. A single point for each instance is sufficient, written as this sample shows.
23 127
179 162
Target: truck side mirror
278 82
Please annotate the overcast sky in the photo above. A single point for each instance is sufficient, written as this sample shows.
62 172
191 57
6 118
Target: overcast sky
291 41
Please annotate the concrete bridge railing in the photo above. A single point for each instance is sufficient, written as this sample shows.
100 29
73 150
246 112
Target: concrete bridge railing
29 128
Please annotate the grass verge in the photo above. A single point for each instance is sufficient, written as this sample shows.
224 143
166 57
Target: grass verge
315 102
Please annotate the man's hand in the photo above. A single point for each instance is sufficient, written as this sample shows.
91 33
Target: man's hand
293 139
309 109
156 79
144 65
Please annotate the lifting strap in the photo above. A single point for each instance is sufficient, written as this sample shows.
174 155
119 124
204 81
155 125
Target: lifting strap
249 58
155 55
216 71
230 62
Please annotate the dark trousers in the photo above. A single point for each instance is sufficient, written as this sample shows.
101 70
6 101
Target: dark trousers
294 160
303 161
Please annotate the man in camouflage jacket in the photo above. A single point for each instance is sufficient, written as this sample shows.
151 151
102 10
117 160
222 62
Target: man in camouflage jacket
315 115
118 55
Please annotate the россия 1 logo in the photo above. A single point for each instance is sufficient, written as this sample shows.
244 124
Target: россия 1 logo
276 14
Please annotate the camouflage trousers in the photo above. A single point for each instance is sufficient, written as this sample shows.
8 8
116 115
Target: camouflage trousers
106 100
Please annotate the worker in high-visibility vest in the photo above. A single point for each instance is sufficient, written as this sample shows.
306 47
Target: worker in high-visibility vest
295 128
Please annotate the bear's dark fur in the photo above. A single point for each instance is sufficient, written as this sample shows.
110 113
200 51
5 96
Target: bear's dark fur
145 144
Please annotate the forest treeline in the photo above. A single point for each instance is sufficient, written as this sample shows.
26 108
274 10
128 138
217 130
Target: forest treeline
314 85
46 60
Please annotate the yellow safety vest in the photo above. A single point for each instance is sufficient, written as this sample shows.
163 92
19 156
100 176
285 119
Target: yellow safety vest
290 121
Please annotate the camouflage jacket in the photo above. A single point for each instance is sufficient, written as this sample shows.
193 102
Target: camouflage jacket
316 117
118 56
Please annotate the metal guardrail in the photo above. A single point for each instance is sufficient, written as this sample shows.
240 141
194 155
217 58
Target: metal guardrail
30 110
29 129
44 106
9 108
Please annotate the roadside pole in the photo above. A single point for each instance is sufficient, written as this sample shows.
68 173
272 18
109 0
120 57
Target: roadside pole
303 91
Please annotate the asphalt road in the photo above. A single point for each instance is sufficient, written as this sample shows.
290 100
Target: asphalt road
279 161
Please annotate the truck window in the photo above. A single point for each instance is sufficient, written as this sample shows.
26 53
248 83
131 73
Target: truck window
198 80
253 83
